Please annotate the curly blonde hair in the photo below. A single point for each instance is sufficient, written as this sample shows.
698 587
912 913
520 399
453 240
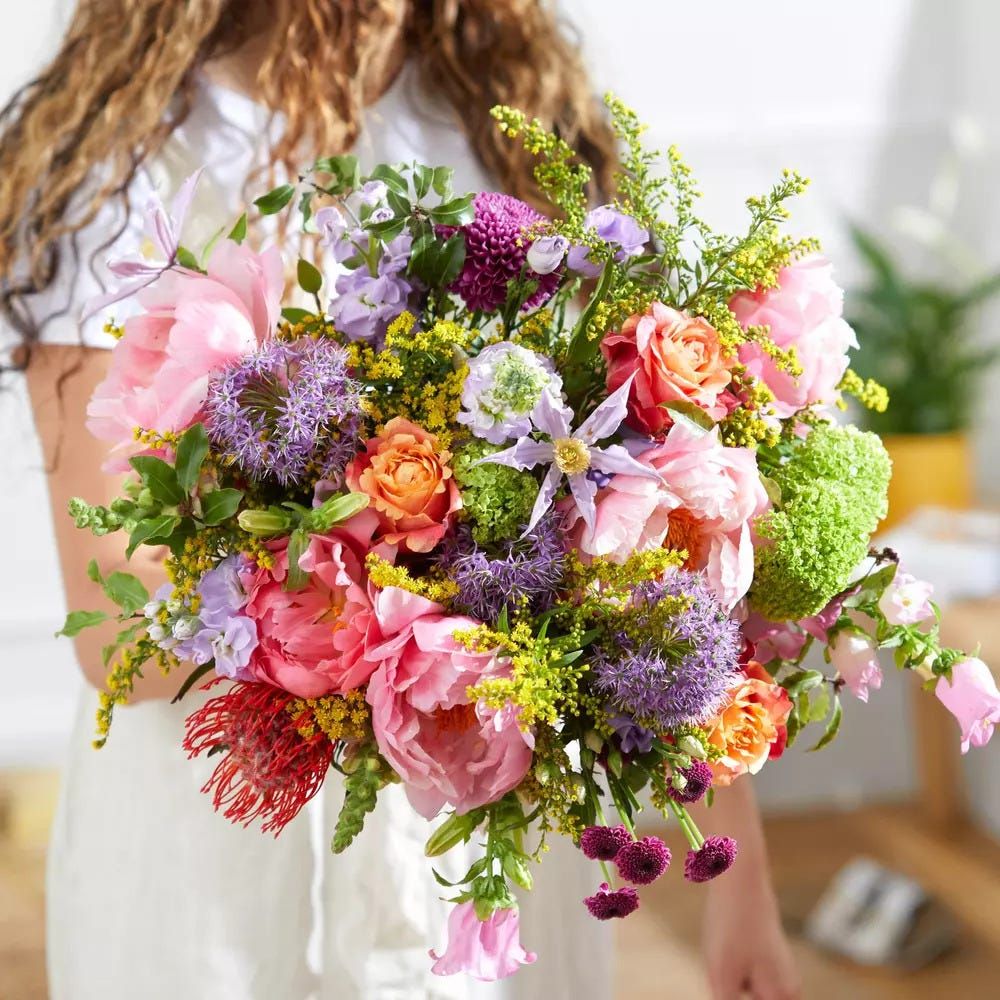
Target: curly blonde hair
125 78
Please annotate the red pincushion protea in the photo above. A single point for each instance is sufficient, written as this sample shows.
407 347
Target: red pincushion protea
270 769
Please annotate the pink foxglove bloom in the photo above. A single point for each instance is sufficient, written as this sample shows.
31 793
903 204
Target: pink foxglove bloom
447 750
192 325
856 660
574 454
484 949
972 697
907 600
803 311
164 231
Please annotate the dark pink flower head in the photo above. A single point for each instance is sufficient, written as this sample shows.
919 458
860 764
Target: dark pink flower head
713 858
496 249
602 843
608 904
643 861
698 778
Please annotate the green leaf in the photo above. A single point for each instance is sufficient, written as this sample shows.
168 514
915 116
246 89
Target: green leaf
126 591
77 621
335 510
298 542
310 279
239 232
801 680
191 451
295 315
187 259
160 478
190 681
274 201
387 230
423 177
442 181
832 727
772 489
219 505
344 170
394 180
456 212
690 413
306 206
94 572
151 528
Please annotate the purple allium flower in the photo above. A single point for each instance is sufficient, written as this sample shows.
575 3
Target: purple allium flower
496 253
713 858
529 568
367 303
503 387
698 780
288 412
612 227
643 861
681 676
602 843
632 738
609 904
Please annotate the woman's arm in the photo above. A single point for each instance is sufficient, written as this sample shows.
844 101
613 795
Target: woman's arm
746 950
60 381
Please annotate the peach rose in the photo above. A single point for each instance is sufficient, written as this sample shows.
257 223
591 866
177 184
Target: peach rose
751 728
410 485
674 357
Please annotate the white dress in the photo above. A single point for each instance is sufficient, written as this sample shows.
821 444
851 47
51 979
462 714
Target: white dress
151 895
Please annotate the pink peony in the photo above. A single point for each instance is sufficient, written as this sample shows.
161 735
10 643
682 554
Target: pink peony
804 311
972 697
856 660
484 949
312 640
907 600
773 640
192 325
446 749
706 503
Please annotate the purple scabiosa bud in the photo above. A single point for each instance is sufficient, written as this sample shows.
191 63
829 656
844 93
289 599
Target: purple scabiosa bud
643 861
713 858
602 843
609 904
697 781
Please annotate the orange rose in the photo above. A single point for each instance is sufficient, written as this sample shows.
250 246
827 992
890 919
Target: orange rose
674 357
751 728
410 485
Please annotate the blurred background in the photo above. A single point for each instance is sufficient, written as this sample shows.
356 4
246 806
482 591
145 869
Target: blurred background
893 110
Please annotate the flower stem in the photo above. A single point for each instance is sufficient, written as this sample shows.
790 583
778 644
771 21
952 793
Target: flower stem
688 825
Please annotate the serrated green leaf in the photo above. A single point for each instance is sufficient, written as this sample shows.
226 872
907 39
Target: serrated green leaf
77 621
239 232
275 200
309 276
160 478
151 529
219 505
191 451
126 591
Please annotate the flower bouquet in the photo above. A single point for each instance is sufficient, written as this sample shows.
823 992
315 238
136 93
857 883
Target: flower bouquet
533 514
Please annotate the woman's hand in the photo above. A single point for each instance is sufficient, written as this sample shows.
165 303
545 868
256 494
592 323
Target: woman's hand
746 951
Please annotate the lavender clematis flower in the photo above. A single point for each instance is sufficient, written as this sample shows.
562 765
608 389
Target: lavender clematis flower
164 230
612 227
574 453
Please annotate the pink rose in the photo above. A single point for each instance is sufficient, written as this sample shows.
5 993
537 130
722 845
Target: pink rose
673 358
447 750
312 640
972 697
706 503
804 311
856 660
193 324
484 949
773 640
907 600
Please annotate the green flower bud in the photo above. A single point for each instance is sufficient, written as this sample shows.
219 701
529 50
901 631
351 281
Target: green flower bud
517 870
272 521
451 832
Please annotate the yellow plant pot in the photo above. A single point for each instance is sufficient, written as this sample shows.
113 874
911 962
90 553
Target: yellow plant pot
927 469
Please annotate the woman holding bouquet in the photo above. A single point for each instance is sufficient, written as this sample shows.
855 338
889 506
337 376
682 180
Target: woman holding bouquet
149 894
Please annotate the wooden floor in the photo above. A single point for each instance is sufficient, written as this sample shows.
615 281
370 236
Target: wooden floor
660 943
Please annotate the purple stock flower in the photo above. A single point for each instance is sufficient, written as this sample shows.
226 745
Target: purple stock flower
164 230
574 453
496 253
530 569
679 677
287 410
612 227
502 390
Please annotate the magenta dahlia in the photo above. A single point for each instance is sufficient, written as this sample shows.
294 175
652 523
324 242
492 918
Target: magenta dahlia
643 861
609 904
496 250
697 781
713 858
602 843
